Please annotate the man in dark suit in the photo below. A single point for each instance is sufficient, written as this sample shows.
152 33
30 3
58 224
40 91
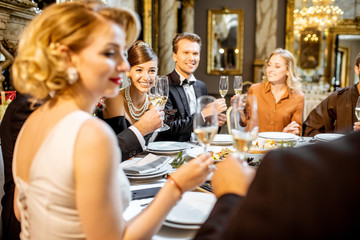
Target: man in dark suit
15 116
309 192
184 89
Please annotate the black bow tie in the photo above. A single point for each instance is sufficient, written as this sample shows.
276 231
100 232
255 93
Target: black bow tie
187 82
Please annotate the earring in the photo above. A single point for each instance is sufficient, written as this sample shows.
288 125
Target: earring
72 75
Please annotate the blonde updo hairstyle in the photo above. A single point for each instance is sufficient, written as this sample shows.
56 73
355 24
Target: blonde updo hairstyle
40 68
293 81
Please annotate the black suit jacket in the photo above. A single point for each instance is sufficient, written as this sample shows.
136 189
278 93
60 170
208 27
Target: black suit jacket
182 126
304 193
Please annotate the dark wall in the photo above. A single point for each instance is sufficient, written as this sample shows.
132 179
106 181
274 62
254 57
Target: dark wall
249 7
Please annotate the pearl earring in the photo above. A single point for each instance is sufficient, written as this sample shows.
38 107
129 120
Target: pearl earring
72 75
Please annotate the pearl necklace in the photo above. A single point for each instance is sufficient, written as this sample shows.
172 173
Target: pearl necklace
132 107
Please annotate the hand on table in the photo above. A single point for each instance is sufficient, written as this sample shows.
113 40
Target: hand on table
356 126
194 172
293 128
149 121
231 176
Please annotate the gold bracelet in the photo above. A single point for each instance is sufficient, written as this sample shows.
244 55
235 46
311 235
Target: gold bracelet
176 184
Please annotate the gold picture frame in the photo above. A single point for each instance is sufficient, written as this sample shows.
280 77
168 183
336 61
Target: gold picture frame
225 41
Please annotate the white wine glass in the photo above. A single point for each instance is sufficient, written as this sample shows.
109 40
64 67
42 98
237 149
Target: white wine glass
357 109
244 124
223 85
205 120
238 83
163 92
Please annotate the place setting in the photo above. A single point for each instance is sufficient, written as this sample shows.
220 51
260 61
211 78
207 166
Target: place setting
150 166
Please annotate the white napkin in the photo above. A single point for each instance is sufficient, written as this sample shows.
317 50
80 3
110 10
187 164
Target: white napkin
147 164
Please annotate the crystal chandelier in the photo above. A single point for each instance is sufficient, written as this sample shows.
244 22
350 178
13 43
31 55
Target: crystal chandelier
322 15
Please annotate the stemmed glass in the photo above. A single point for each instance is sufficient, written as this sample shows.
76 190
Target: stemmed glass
357 109
205 120
238 85
223 86
158 96
244 123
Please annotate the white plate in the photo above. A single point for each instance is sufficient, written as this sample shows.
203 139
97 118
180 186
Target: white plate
167 146
326 137
222 139
278 136
194 152
192 209
180 226
162 169
142 177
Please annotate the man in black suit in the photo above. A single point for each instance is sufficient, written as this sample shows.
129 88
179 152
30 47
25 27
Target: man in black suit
184 89
15 116
309 192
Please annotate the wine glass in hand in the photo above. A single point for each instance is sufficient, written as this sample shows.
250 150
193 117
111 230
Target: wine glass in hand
205 120
357 109
238 85
223 86
244 123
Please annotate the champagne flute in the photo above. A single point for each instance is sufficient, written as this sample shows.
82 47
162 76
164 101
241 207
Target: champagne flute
163 92
244 124
223 85
238 85
357 109
205 120
154 95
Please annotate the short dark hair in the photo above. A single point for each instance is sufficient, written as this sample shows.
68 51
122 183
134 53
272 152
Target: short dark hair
357 60
185 35
141 52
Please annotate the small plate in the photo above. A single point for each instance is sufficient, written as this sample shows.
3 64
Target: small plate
222 139
180 226
196 151
327 137
167 146
192 209
278 136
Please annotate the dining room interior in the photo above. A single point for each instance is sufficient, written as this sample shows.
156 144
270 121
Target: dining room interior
237 39
248 31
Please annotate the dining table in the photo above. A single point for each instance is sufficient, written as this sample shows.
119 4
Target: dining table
144 188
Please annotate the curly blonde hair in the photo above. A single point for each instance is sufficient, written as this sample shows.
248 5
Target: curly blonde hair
293 81
39 67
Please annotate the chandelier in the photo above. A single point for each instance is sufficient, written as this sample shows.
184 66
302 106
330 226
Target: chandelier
322 15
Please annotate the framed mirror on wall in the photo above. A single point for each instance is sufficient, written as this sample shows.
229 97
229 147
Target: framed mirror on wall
225 41
332 57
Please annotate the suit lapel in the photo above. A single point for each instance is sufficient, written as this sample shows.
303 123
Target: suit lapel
197 90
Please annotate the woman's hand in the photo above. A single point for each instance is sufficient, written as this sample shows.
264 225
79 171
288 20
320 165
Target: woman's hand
232 176
356 126
194 172
293 128
221 119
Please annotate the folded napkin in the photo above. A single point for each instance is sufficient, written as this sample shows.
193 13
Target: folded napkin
147 164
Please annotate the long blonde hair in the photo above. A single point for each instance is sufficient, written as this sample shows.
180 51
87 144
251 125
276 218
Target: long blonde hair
39 67
293 81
